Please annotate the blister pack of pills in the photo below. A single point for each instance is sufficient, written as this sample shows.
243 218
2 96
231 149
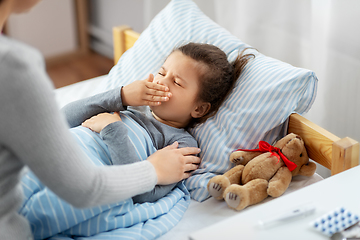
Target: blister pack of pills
335 221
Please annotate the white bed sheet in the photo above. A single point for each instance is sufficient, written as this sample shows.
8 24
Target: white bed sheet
198 215
78 90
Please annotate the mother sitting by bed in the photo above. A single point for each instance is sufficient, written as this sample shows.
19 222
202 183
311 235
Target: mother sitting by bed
33 133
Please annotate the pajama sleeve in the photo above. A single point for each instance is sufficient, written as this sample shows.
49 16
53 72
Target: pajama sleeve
115 136
78 111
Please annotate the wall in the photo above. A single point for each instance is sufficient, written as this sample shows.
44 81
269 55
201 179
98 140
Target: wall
105 14
49 26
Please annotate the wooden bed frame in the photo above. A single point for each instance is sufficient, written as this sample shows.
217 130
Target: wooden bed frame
323 147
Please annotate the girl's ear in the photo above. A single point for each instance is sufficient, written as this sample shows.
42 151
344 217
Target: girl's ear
202 109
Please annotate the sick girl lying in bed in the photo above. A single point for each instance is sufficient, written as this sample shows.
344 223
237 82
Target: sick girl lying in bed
189 88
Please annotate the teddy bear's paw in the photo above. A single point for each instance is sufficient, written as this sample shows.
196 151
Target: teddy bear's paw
236 197
216 190
236 158
217 185
232 200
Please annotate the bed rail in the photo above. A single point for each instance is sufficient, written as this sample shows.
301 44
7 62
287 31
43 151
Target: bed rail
124 38
324 147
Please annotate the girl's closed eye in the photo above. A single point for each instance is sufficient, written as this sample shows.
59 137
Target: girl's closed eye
177 83
161 74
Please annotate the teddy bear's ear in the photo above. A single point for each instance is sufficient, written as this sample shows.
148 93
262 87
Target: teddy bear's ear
283 141
307 169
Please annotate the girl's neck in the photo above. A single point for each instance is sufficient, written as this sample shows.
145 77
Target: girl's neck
169 123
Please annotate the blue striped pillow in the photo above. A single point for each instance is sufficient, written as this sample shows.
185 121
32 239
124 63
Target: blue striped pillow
266 93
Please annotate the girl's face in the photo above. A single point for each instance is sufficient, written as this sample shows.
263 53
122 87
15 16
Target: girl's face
180 74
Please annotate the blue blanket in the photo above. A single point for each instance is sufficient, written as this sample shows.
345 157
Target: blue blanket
51 217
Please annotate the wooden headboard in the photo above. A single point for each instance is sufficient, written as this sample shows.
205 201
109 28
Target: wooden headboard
323 147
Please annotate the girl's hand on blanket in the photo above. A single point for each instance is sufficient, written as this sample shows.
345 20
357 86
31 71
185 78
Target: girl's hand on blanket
98 122
173 164
145 92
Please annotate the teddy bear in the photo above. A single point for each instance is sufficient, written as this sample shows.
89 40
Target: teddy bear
262 172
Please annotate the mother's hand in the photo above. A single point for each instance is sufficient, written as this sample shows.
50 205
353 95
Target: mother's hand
173 164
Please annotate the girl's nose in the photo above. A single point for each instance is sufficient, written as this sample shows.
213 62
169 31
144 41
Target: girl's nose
162 82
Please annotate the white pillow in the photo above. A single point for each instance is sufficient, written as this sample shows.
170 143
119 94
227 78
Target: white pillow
266 93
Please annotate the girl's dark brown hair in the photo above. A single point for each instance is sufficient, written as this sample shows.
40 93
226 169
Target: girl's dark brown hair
218 76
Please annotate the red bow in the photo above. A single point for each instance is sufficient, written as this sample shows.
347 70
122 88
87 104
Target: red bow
266 147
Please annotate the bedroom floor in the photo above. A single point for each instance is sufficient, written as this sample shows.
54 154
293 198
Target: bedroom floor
79 68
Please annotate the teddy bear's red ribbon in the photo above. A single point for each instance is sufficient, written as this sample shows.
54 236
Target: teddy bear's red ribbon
266 147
